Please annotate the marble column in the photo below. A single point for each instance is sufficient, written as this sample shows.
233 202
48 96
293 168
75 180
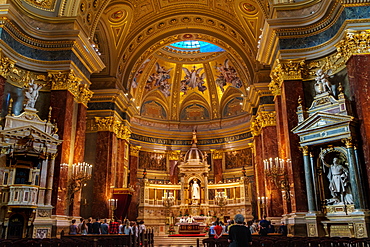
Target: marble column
79 152
134 182
217 169
308 179
290 91
259 172
61 102
280 127
273 192
102 173
359 81
354 176
43 180
49 182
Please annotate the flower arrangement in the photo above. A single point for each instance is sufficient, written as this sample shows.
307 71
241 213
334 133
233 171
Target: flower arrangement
206 229
171 229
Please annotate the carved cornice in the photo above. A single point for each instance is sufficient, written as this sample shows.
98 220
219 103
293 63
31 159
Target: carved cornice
110 124
174 154
263 119
134 150
285 70
67 80
216 154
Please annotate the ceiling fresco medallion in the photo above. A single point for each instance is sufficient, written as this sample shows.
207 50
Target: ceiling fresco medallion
248 8
48 5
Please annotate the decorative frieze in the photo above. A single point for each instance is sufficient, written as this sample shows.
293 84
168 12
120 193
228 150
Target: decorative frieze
47 5
110 124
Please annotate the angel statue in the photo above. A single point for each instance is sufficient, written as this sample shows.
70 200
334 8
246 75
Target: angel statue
322 84
32 94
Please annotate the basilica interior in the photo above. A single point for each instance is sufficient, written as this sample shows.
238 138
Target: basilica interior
158 109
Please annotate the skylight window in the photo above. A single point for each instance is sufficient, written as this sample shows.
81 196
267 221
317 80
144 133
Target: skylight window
201 46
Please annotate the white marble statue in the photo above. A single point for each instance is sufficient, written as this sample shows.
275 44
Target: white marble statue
195 190
32 94
338 182
322 84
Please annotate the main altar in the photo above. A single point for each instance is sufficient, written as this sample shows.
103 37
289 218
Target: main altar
164 204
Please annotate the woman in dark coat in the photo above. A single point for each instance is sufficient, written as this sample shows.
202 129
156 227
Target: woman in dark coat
239 234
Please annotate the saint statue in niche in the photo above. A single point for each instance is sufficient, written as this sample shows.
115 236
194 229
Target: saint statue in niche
195 190
339 184
32 94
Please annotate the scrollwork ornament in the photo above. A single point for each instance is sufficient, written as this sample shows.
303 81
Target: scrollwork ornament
6 65
216 154
65 80
84 94
174 154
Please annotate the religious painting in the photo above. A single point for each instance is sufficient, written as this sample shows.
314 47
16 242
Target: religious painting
238 158
159 79
153 109
193 79
135 80
152 161
227 76
233 108
195 112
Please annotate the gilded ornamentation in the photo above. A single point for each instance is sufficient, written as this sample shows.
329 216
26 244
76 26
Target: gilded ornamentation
263 119
174 154
110 124
348 142
286 70
216 154
305 150
312 230
6 65
47 5
238 158
44 213
360 230
84 94
256 128
134 150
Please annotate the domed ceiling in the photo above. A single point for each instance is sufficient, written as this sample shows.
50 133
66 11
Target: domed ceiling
189 81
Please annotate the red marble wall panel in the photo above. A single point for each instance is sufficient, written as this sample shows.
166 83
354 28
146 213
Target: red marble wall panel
291 90
217 168
258 161
62 113
280 127
2 87
102 174
120 163
359 78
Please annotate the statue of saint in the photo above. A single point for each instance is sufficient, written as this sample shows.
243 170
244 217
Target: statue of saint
32 94
338 182
195 190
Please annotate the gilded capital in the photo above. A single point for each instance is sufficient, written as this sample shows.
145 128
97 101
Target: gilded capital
348 142
110 124
286 70
174 154
255 128
354 43
134 150
266 118
216 154
67 80
305 150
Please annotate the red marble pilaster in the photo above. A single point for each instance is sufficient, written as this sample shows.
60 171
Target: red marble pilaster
259 172
174 176
270 150
134 182
281 143
79 152
62 112
120 163
102 173
290 91
359 81
217 169
2 87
